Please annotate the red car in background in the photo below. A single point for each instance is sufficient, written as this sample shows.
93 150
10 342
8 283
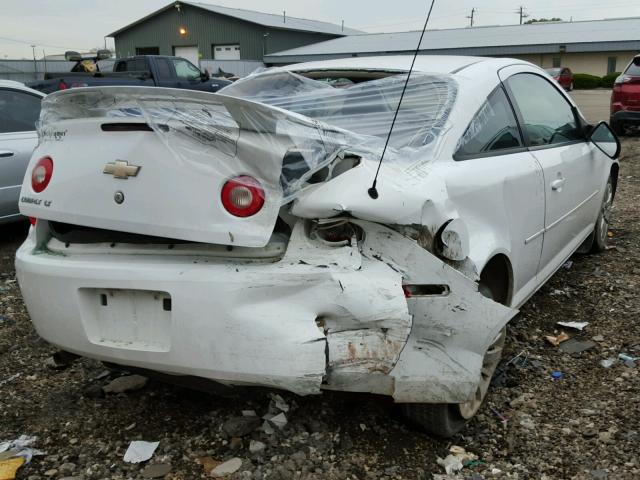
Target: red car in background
625 98
563 76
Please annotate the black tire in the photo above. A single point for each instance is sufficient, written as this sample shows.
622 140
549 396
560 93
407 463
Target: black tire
601 231
446 419
440 420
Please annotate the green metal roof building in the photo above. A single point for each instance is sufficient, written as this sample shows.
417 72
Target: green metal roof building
202 31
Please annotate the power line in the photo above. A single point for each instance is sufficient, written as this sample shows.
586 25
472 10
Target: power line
25 42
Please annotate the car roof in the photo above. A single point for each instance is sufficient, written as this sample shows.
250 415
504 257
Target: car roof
19 86
401 63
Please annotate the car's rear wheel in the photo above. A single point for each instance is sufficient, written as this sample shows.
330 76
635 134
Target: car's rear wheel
444 419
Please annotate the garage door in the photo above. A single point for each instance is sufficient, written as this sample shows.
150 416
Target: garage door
226 52
190 53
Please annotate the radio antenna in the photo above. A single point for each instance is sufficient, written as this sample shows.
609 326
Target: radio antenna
373 191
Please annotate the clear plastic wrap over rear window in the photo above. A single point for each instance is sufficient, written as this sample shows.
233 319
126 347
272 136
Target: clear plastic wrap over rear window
277 126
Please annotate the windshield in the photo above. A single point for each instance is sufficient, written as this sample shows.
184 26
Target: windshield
633 70
366 108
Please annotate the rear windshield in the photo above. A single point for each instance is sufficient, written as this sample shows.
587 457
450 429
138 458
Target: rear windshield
366 108
633 70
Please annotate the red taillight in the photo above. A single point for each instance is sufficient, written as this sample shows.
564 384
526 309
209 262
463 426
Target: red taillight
242 196
33 221
41 174
62 85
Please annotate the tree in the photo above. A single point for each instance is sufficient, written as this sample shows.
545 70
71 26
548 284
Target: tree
542 20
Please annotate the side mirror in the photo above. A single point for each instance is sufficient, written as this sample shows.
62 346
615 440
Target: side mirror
205 75
607 142
71 56
636 61
103 54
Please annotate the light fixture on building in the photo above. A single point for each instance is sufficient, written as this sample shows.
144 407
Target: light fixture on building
182 31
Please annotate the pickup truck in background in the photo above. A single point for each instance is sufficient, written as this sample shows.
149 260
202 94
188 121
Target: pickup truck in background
142 70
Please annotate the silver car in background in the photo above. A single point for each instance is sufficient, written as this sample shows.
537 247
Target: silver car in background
19 111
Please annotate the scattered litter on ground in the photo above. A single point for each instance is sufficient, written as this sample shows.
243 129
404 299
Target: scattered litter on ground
577 346
568 264
140 451
598 338
279 403
450 463
127 383
575 325
457 459
627 358
9 468
279 420
461 454
556 375
226 468
21 447
558 339
608 362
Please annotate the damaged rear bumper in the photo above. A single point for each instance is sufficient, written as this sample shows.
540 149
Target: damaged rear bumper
320 317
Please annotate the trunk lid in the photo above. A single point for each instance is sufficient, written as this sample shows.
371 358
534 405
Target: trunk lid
166 154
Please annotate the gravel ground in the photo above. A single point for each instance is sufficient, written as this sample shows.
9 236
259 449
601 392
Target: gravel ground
585 424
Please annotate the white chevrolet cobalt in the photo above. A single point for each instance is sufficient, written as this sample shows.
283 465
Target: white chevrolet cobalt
236 236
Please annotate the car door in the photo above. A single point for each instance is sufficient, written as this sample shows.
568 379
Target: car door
165 73
19 111
497 187
572 169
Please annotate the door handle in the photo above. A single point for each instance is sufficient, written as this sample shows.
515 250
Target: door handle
557 185
6 153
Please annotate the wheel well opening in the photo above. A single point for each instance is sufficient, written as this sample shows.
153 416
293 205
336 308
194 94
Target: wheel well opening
615 168
497 277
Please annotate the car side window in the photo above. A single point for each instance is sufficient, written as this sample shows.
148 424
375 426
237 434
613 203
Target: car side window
19 111
493 129
547 117
186 70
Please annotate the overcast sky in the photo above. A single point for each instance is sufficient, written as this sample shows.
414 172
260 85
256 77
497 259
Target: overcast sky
59 25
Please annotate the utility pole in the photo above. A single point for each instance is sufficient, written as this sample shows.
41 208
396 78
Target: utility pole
35 64
522 14
470 17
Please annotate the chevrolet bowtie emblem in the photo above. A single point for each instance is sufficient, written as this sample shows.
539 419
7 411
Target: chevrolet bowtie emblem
121 169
